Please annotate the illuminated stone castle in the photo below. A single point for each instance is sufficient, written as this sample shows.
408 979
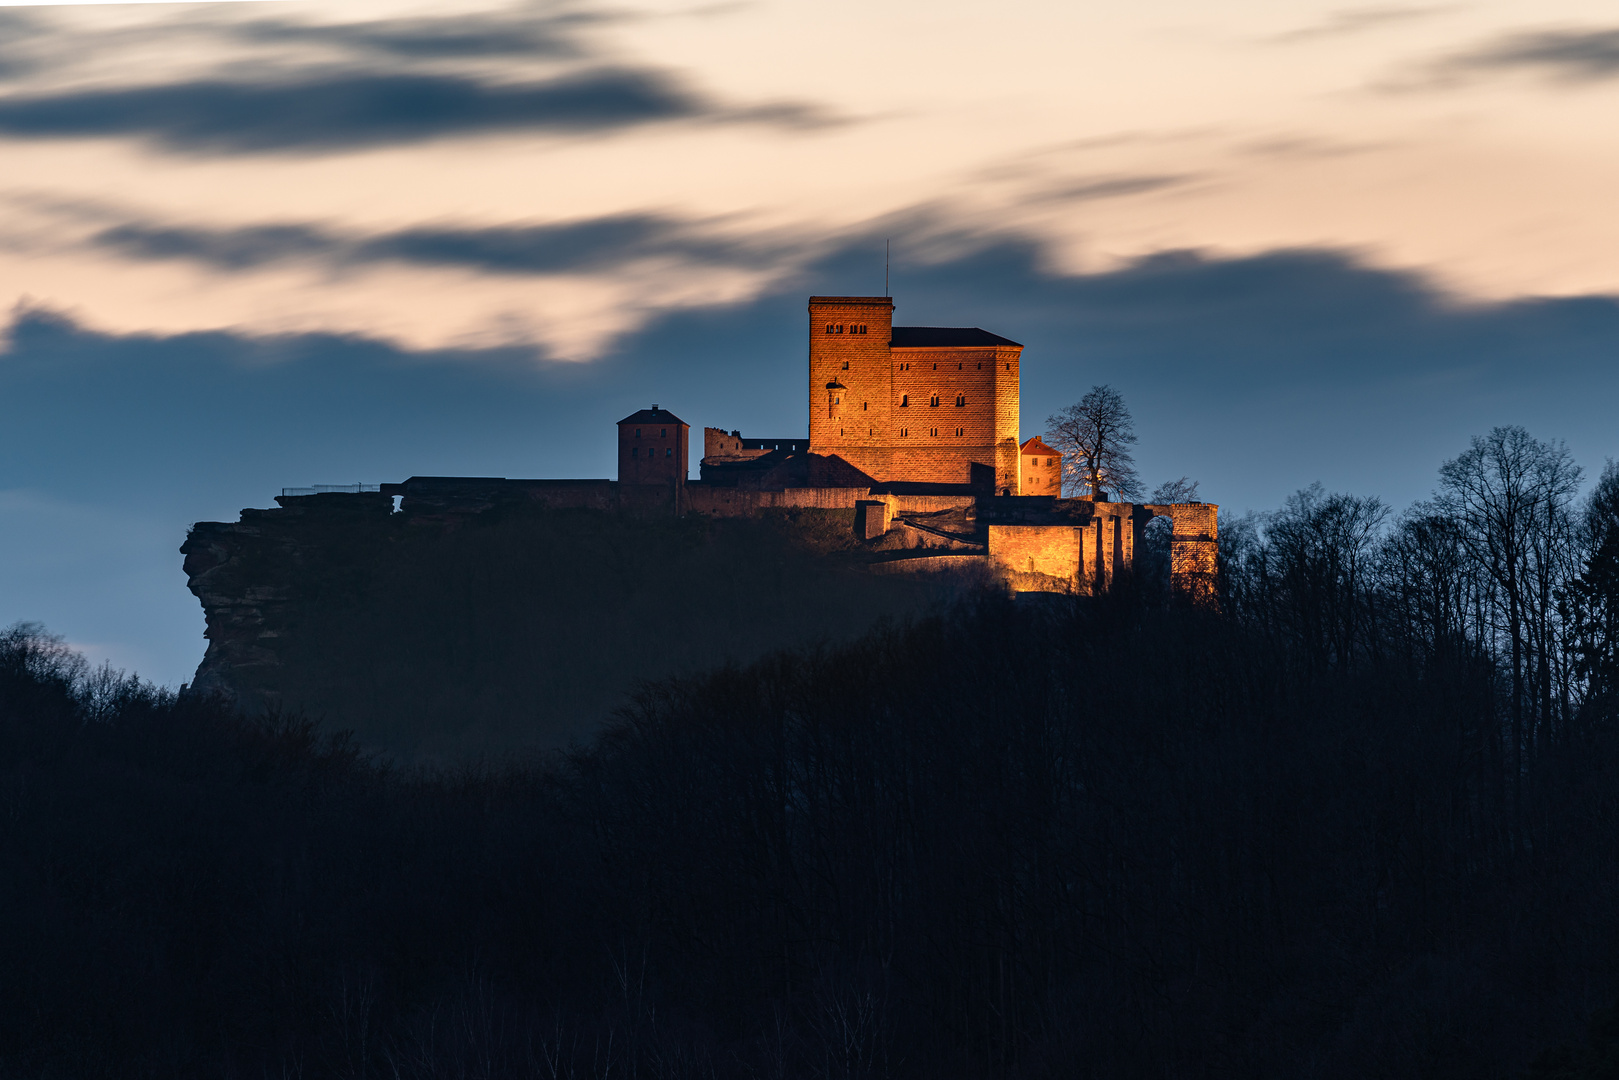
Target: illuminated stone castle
915 430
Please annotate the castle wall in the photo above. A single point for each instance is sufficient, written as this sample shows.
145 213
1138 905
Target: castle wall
1053 551
732 502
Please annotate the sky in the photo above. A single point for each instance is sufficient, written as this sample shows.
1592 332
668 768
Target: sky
252 245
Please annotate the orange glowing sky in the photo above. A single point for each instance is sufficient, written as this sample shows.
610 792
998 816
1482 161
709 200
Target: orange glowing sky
1472 142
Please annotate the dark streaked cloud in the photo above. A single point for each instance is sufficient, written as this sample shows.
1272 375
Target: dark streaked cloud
1358 20
590 244
467 37
228 249
1113 187
19 33
326 112
1574 55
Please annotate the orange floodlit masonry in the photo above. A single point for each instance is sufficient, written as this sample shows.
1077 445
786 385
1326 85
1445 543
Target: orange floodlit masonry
914 429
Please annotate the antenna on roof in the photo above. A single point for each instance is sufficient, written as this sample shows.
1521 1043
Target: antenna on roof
885 271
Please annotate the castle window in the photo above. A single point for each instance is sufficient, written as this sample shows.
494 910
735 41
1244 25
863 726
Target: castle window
935 367
864 405
637 433
633 450
829 328
904 401
980 367
846 365
1008 367
903 432
669 452
933 431
961 400
961 431
958 367
934 401
663 433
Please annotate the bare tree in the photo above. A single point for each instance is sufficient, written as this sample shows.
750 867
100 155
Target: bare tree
1511 497
1175 491
1593 603
1094 438
1315 565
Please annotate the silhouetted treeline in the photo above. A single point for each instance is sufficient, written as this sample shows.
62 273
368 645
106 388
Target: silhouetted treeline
1332 830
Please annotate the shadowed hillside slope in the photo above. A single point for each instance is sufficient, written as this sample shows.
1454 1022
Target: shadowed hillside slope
516 628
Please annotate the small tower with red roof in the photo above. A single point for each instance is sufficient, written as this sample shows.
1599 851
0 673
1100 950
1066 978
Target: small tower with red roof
1039 469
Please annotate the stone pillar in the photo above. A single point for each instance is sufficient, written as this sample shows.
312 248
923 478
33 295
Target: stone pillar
871 518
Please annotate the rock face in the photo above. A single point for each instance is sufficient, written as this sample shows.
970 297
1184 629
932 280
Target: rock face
510 624
247 575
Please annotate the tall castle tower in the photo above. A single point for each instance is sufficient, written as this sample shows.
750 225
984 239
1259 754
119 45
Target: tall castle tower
912 403
851 377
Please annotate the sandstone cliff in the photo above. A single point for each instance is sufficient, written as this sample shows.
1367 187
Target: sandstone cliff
514 628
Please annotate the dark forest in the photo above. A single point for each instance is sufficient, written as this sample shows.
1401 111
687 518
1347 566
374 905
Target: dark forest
1360 819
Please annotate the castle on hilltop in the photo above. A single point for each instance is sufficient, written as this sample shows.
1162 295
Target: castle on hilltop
913 428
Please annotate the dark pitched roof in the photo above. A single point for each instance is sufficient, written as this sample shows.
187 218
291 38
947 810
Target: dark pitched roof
653 415
945 337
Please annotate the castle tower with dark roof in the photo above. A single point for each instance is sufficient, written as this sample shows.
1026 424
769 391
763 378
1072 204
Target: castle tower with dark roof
934 404
653 447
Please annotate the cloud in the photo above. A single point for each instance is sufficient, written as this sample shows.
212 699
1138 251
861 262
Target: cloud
1113 187
466 37
328 112
592 244
18 35
1585 55
1358 20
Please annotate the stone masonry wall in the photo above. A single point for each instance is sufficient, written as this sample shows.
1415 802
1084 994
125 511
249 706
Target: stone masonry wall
1051 550
853 410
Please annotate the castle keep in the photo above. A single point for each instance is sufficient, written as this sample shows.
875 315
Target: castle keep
914 429
932 404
